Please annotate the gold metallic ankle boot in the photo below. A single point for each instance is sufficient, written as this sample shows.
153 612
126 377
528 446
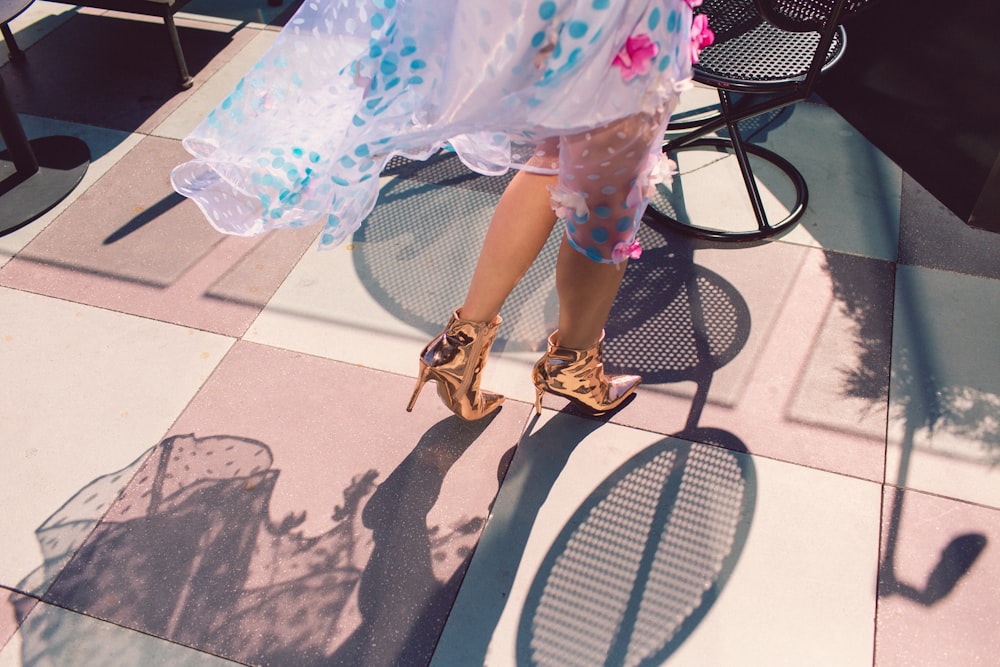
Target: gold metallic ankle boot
579 376
455 360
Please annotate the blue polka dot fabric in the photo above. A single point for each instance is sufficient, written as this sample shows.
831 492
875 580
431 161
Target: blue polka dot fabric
578 88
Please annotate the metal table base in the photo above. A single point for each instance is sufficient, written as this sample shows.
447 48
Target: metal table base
34 175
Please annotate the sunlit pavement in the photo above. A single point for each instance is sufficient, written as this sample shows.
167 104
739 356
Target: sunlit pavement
207 461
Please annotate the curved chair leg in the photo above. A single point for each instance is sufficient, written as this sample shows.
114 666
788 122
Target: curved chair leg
765 229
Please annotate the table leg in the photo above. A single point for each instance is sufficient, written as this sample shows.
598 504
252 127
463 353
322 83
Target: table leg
34 175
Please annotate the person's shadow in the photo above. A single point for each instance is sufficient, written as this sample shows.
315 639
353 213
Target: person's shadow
402 604
188 552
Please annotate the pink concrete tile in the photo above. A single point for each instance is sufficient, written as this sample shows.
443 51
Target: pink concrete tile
117 70
133 245
784 346
938 602
296 513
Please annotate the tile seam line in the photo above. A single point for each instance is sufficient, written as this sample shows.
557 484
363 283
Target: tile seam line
878 570
940 496
528 404
127 628
124 313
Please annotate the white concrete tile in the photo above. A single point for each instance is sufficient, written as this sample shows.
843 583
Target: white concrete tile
944 419
323 308
334 305
85 391
106 148
802 590
181 122
854 189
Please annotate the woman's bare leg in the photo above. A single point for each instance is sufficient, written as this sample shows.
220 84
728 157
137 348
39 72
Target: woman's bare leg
587 291
521 224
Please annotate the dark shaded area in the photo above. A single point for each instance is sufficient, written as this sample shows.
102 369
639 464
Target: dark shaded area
120 71
921 81
863 289
54 167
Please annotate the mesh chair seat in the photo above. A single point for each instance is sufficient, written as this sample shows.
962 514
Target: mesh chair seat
770 54
780 57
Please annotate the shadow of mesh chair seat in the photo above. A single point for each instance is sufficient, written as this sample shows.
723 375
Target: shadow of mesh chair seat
767 55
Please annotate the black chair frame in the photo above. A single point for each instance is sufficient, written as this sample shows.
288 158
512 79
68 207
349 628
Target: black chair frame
742 98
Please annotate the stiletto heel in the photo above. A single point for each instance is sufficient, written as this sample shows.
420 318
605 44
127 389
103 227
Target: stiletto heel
455 360
578 375
421 380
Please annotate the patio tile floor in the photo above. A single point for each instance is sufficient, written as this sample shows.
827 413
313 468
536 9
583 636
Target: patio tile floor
208 461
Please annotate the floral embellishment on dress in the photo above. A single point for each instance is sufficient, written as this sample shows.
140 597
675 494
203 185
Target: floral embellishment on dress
662 171
635 57
693 3
566 202
701 36
656 169
623 251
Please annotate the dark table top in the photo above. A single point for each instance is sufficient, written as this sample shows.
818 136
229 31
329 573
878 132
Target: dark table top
11 8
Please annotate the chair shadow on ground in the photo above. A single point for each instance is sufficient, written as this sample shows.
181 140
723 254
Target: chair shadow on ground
189 553
674 320
644 558
632 572
615 566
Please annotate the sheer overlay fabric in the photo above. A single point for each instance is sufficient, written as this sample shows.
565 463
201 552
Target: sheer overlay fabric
578 88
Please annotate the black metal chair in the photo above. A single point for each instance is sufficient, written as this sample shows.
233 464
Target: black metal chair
767 55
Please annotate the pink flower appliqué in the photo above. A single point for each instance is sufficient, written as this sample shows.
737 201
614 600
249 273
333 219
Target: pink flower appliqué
623 251
566 203
635 57
701 36
693 3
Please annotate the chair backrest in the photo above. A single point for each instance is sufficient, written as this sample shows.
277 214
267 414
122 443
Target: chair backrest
807 15
730 18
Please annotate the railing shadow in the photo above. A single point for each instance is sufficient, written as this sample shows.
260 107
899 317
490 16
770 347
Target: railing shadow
189 553
675 320
146 217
